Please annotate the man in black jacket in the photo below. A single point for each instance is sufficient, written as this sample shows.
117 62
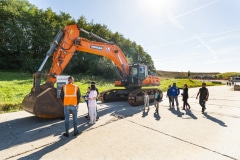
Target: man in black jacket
204 94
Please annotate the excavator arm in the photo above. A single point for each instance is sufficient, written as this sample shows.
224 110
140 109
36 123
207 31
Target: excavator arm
71 42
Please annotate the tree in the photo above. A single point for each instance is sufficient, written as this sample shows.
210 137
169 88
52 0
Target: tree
189 74
26 33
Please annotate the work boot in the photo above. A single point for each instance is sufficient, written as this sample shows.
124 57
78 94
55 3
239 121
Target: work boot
66 134
75 133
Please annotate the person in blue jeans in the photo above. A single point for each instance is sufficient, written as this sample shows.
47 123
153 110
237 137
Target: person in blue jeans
70 96
174 92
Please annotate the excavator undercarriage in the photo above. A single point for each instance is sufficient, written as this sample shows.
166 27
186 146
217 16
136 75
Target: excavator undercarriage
134 97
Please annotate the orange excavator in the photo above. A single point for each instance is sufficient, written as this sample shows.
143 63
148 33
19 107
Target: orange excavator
42 101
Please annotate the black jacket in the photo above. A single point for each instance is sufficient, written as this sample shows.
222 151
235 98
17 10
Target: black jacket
185 93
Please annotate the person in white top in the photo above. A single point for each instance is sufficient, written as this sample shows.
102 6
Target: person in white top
92 104
146 100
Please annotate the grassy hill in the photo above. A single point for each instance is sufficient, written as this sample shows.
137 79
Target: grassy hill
217 75
170 74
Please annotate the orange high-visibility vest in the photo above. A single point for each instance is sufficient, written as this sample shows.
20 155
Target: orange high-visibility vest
70 94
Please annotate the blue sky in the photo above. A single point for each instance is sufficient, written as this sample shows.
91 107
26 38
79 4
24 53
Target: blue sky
180 35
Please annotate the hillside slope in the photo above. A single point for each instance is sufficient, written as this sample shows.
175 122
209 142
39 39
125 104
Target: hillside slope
171 74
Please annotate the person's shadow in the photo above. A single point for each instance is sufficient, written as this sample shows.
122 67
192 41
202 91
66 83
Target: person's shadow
221 123
34 128
38 155
176 112
189 113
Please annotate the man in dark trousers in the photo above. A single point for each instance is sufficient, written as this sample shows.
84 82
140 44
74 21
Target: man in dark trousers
204 94
174 92
70 96
169 96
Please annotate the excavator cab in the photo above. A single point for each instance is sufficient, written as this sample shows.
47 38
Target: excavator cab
138 73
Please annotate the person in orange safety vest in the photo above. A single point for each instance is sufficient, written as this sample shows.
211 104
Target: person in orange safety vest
70 95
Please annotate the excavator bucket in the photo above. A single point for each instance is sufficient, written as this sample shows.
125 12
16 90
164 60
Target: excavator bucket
43 102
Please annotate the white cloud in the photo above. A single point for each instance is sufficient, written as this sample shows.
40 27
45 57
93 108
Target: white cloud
221 33
214 56
173 19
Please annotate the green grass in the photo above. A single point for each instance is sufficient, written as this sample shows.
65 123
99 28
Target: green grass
15 85
227 75
180 82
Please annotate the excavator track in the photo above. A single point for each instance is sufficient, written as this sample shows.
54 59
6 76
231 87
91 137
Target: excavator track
134 97
114 95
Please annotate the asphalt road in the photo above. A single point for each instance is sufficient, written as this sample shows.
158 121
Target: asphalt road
125 132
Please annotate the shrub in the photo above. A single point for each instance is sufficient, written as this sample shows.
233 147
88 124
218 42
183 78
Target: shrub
217 82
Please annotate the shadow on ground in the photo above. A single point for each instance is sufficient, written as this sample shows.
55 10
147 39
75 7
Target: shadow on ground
176 112
33 128
221 123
